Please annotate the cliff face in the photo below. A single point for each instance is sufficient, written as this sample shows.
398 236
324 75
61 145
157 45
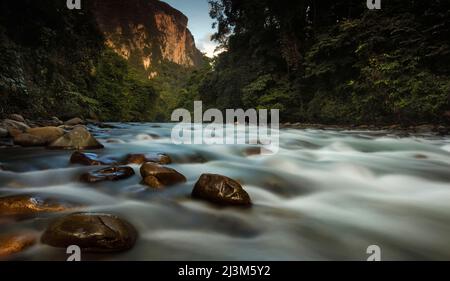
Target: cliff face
147 32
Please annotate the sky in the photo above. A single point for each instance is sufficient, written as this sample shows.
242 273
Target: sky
200 24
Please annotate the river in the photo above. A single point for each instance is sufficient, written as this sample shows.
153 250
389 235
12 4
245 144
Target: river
326 195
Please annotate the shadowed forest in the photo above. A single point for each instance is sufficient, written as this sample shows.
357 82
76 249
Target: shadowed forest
332 62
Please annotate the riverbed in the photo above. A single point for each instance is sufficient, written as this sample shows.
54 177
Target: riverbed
325 195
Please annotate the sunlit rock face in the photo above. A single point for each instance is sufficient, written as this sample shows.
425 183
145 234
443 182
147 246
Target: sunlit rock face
147 32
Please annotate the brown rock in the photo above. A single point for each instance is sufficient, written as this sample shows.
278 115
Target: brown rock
252 151
161 176
29 140
108 174
79 138
153 182
139 159
28 206
92 232
90 159
48 134
15 243
220 190
74 121
420 156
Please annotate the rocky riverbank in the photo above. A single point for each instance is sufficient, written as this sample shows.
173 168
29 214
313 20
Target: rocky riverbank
124 191
92 232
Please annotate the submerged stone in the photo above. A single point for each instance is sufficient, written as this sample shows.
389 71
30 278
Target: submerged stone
92 232
221 190
108 174
160 176
11 244
28 206
159 158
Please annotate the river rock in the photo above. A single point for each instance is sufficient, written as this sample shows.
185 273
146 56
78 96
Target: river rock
53 122
17 117
74 121
252 151
27 206
48 134
220 190
92 232
108 174
12 124
139 159
11 244
160 176
153 182
90 159
424 129
28 140
57 121
79 138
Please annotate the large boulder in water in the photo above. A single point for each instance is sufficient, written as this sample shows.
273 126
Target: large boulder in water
47 134
220 190
28 140
158 176
78 138
92 232
108 174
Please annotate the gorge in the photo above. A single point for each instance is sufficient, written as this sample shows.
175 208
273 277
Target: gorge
88 157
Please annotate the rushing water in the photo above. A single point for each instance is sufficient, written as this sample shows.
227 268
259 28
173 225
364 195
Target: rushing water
325 195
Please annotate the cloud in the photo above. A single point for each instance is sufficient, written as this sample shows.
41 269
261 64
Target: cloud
207 46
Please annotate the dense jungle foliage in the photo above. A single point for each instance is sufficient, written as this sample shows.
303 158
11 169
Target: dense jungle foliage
332 61
317 61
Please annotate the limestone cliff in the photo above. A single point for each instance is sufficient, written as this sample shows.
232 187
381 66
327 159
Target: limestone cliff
147 32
